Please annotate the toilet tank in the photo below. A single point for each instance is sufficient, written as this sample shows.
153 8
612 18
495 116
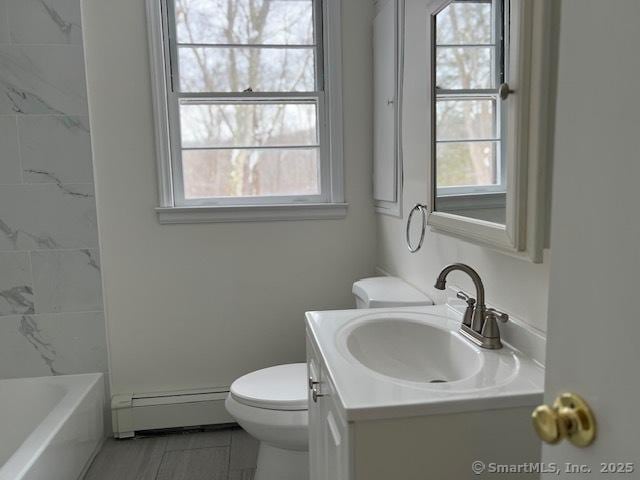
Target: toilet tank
387 292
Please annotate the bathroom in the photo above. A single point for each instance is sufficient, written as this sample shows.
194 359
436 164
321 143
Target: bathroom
318 239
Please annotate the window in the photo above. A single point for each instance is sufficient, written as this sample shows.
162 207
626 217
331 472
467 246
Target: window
248 109
469 115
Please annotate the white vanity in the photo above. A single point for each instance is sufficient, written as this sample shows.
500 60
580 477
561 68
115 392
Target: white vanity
400 390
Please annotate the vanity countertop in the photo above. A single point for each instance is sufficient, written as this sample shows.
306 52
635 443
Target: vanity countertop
505 378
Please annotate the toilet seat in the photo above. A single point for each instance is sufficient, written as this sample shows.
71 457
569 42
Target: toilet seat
283 387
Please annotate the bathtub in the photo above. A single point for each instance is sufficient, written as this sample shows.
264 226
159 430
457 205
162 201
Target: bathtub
50 427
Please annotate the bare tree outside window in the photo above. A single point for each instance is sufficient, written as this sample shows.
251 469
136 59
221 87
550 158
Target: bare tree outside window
248 146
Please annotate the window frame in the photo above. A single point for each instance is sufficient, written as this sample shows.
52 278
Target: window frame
173 207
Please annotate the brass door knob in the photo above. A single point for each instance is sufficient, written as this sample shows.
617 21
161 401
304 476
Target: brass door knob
570 417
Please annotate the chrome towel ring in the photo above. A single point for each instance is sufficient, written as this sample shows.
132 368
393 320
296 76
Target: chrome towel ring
423 210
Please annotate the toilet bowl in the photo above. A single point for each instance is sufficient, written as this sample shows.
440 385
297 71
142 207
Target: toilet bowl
271 404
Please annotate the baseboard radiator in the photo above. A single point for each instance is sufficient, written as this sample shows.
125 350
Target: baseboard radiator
135 412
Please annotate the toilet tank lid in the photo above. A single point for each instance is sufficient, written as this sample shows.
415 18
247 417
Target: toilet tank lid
380 292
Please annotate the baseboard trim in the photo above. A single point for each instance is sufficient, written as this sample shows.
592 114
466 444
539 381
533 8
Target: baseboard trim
134 412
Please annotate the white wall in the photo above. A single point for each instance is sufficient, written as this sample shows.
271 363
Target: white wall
518 287
198 305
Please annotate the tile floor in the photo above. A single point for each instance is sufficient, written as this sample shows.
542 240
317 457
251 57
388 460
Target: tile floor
220 454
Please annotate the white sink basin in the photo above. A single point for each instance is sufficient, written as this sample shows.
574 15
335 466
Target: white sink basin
381 363
412 351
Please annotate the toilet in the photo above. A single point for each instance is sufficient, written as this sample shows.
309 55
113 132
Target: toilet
271 404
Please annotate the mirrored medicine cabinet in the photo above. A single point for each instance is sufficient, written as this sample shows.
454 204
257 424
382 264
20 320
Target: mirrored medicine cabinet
490 101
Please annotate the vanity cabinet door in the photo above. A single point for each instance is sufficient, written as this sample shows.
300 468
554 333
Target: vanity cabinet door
329 457
316 441
336 437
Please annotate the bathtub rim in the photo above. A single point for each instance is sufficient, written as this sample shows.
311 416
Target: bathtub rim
26 455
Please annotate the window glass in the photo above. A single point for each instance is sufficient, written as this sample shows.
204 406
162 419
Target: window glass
466 119
246 22
248 98
465 23
465 68
466 164
250 172
223 69
248 125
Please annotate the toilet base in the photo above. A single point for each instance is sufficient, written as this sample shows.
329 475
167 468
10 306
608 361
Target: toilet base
279 464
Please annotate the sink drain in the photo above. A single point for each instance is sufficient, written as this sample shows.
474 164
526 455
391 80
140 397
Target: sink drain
437 381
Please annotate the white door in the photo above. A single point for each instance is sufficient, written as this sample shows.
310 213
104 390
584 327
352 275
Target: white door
593 345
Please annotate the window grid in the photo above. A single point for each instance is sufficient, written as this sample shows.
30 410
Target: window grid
178 98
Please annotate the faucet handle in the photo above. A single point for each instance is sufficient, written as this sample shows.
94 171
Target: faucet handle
497 314
490 330
463 296
467 319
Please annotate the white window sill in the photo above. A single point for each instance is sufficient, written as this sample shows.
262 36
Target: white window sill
251 213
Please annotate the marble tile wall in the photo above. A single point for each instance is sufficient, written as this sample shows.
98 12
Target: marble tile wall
51 311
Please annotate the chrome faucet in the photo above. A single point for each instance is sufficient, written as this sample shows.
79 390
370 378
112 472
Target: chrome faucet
479 323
